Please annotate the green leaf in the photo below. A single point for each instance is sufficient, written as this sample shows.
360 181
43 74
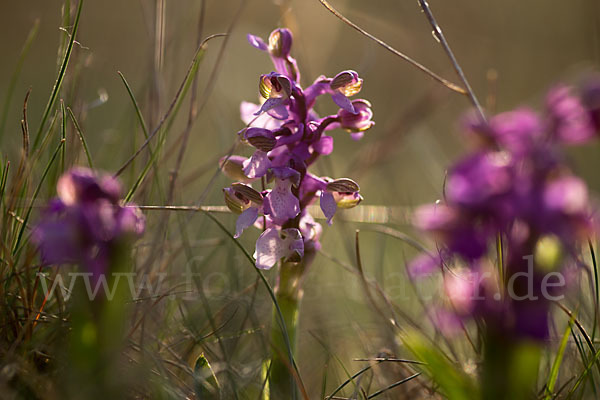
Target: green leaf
60 77
454 383
206 384
558 360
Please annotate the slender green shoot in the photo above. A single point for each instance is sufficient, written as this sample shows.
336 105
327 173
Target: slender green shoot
60 78
81 137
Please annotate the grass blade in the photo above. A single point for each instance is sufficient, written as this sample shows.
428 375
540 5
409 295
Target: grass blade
393 385
60 77
63 135
81 137
35 194
175 104
558 360
205 376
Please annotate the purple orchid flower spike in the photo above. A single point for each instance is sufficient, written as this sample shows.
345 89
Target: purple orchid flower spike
288 137
86 222
274 245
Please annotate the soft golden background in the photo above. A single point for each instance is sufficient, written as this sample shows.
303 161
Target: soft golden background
529 45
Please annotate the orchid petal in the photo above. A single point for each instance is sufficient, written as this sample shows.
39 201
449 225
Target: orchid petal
257 42
245 219
272 246
281 202
257 165
328 205
343 102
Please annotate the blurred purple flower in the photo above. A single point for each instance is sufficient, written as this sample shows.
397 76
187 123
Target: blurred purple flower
87 220
591 99
570 121
516 131
515 186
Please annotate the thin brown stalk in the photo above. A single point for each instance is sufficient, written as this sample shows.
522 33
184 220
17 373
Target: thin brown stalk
452 86
437 30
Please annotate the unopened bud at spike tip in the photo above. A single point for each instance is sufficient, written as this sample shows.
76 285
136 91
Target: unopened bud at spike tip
280 43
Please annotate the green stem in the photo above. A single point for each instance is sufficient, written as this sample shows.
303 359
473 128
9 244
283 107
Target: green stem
288 292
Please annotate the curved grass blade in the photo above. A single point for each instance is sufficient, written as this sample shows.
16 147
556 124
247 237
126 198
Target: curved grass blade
347 381
393 385
205 376
558 360
3 180
35 194
453 382
175 104
135 104
583 375
597 294
142 122
63 135
81 137
60 78
452 86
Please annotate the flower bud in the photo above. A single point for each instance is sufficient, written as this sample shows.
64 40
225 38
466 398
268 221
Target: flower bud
248 192
346 82
240 197
280 42
359 122
343 185
262 139
233 168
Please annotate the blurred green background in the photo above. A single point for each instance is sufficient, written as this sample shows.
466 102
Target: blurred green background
527 45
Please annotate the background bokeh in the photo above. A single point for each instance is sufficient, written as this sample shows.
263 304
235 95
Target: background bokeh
512 51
